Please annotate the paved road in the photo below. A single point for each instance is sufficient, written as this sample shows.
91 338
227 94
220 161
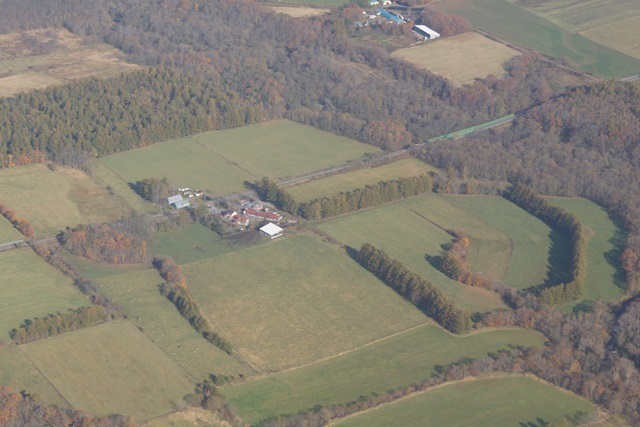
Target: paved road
631 78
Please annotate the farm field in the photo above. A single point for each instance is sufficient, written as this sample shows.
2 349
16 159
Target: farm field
604 278
53 200
358 178
462 58
620 35
120 188
18 373
111 368
39 58
414 230
517 24
219 162
8 233
136 291
296 301
314 3
299 11
393 362
530 237
188 244
29 287
488 402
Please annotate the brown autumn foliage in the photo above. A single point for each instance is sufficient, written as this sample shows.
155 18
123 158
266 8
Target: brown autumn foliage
103 243
21 224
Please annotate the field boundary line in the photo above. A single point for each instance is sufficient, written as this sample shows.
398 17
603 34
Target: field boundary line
226 159
45 377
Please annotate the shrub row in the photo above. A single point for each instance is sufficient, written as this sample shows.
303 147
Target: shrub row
21 224
103 243
421 293
454 264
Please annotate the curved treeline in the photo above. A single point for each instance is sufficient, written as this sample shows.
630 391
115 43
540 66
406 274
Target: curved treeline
104 116
563 221
421 293
55 324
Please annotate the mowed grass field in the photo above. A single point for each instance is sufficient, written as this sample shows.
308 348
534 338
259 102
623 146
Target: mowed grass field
23 67
220 162
29 287
523 27
462 58
621 35
53 200
414 231
604 279
18 373
357 179
136 291
295 300
396 361
188 244
111 368
8 233
315 3
486 402
530 237
300 11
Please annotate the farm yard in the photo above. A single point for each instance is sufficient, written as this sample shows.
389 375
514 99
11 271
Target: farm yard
111 368
32 288
39 58
462 58
299 11
488 402
528 29
396 361
335 184
221 161
295 302
52 200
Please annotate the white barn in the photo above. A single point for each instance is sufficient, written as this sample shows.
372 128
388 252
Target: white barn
427 32
271 230
178 202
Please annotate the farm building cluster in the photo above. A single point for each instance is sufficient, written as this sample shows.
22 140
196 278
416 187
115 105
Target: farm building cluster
424 32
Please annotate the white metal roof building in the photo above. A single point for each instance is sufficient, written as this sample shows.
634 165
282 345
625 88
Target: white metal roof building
271 230
174 199
426 31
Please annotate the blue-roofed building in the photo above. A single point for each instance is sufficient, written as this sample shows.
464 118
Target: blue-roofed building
390 16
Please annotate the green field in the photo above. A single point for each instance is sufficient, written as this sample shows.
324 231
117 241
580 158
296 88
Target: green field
121 189
53 200
320 3
18 373
359 178
515 23
295 300
136 291
398 361
604 278
111 368
487 402
29 287
7 232
188 244
530 237
220 162
413 231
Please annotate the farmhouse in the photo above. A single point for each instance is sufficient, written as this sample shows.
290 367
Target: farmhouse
269 216
426 32
271 230
178 202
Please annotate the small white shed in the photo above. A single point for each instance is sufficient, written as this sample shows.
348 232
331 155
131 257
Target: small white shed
271 230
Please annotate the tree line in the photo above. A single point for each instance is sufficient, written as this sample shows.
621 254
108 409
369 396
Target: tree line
21 224
207 396
453 264
414 288
103 243
565 222
176 290
59 323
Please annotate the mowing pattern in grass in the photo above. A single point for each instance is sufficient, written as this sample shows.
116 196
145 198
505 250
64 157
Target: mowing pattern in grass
188 244
136 291
525 28
397 361
530 237
111 368
620 35
462 58
18 373
487 402
53 200
357 179
415 229
29 287
296 301
219 162
8 233
604 278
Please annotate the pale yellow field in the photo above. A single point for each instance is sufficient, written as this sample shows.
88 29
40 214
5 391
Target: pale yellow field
461 58
299 12
39 58
622 35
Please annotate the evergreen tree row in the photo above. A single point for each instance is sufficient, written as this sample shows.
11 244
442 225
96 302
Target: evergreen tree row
55 324
565 222
421 293
269 191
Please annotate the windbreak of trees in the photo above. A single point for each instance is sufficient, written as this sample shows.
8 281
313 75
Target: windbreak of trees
176 290
565 222
454 264
208 397
21 224
56 324
153 189
103 243
421 293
